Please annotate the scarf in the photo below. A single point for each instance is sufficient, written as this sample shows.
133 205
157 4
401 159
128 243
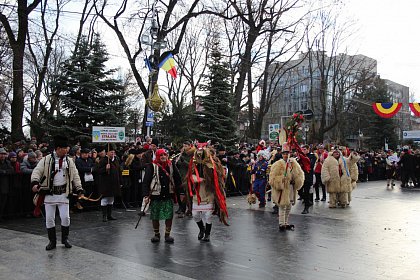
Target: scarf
60 164
160 163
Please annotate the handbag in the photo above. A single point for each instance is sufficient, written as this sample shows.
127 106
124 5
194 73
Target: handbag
88 177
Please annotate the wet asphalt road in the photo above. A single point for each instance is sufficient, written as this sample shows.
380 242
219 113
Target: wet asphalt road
377 237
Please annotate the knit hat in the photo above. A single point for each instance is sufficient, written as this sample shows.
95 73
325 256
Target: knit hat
12 154
31 155
3 151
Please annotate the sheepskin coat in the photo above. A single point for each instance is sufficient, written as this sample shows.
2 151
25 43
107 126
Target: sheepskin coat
284 188
353 168
330 175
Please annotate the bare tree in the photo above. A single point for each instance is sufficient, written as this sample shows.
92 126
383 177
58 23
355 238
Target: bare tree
17 41
334 75
256 16
164 17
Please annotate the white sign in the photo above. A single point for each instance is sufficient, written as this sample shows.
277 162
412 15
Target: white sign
105 134
411 134
273 131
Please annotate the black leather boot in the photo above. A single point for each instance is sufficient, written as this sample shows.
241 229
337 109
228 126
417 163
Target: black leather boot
109 216
65 236
202 229
53 239
104 214
207 233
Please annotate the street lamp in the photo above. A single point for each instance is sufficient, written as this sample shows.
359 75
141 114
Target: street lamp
306 128
155 44
360 139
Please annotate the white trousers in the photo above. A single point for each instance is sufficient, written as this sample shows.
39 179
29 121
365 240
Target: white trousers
107 201
204 216
63 209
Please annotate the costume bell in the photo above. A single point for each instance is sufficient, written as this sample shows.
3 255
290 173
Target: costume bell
55 178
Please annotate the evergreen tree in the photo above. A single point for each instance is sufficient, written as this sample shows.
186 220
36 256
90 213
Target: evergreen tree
375 128
216 121
88 94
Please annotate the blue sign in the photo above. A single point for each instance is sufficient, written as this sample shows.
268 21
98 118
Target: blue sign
150 116
149 123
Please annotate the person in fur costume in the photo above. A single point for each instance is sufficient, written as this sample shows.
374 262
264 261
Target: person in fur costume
354 172
182 162
286 178
205 188
335 174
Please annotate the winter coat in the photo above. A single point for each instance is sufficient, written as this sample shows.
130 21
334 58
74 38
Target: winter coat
284 188
6 170
330 175
84 166
157 183
353 169
26 167
44 170
109 180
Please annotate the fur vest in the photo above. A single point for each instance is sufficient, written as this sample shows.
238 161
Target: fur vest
284 188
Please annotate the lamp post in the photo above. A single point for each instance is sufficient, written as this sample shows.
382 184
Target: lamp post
306 128
360 139
151 39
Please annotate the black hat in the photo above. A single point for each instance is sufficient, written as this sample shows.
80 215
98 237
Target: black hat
111 147
100 148
84 151
61 141
155 142
133 152
221 148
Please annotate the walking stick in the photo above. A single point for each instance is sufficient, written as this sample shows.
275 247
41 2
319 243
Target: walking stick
141 213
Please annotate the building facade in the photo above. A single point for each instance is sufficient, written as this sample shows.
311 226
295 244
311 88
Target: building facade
315 80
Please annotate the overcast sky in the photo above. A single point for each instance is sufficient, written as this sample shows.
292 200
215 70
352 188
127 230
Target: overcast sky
389 33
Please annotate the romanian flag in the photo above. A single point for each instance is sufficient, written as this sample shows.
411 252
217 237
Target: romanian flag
415 108
168 64
386 110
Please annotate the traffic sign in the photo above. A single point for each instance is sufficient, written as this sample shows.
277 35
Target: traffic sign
149 123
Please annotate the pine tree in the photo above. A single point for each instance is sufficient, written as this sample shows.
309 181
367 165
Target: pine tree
216 121
88 94
375 128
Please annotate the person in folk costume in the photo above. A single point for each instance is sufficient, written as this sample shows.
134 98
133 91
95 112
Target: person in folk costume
56 178
160 183
205 189
335 174
260 174
307 194
320 155
286 178
353 158
108 170
182 162
391 168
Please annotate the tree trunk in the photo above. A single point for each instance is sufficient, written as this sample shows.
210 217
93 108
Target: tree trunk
18 102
